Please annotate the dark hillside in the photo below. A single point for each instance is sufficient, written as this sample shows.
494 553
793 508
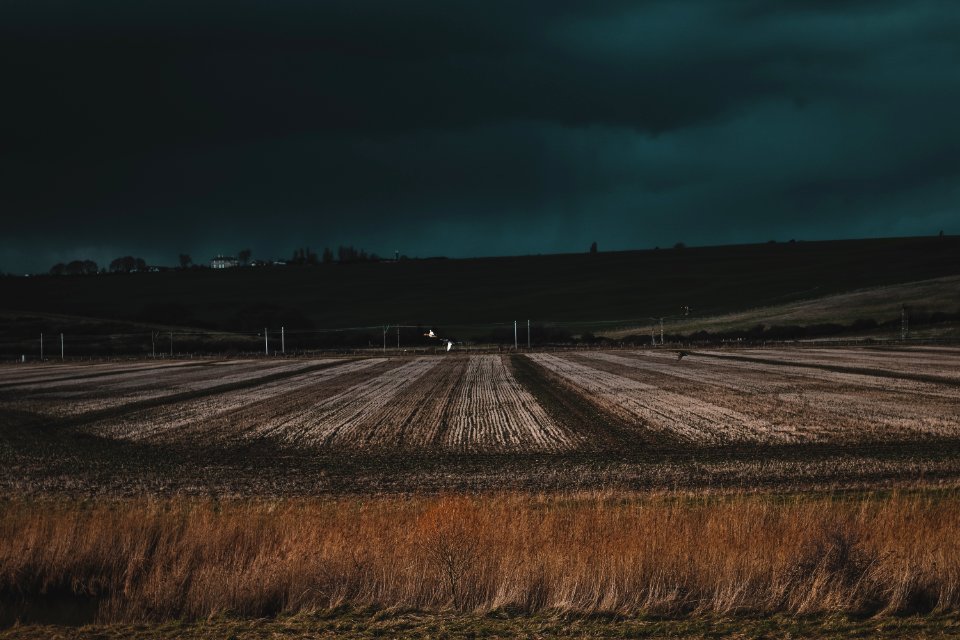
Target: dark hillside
567 288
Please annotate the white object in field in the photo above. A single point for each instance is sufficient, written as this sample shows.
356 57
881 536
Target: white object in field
449 344
430 334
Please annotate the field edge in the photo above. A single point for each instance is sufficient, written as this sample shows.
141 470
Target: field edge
345 623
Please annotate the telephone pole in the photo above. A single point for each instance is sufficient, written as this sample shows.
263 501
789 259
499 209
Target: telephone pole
171 344
661 331
398 337
283 341
514 335
61 347
266 342
528 335
41 347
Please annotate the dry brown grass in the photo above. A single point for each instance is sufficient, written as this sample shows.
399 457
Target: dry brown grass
159 559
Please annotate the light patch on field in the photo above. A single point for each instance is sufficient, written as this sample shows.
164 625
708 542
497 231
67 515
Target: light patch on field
166 421
652 408
493 412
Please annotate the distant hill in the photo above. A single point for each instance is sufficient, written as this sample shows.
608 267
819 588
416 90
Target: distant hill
932 308
576 290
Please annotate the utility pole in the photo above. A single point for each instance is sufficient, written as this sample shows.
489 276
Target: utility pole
153 345
171 344
514 335
283 341
266 342
398 337
61 347
528 335
385 328
41 347
653 335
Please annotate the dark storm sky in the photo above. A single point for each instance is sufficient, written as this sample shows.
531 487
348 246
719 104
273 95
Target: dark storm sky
470 128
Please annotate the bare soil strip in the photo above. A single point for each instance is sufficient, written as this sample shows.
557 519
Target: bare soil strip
419 416
620 397
596 428
865 371
338 420
492 412
808 408
238 416
677 416
939 363
41 373
831 381
130 418
275 406
460 404
79 397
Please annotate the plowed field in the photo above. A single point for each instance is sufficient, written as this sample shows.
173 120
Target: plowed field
639 418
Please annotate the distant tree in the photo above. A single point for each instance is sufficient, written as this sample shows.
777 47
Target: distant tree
593 247
185 260
941 234
81 268
346 254
244 255
74 268
680 245
304 257
127 264
327 255
349 253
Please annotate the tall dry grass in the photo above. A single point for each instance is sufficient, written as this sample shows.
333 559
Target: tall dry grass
156 559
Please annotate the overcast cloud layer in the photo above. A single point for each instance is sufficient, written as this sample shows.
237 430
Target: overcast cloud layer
470 128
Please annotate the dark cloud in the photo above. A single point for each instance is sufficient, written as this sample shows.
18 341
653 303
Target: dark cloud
465 128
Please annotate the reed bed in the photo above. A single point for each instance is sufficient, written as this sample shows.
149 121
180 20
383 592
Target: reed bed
157 559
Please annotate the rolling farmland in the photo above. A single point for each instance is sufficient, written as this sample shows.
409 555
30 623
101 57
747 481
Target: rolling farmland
631 481
634 418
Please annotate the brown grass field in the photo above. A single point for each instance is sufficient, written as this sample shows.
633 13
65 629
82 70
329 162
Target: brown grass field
601 553
626 483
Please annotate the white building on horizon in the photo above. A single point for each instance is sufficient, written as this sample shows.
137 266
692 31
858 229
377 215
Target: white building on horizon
224 262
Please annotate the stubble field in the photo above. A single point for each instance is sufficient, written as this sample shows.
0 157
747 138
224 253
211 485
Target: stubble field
715 419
